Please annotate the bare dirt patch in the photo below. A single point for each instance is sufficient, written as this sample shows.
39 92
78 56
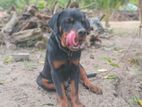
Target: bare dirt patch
120 87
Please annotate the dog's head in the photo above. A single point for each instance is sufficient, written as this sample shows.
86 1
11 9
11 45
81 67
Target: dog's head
70 27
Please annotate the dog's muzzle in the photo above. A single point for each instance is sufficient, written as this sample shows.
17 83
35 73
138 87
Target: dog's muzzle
76 41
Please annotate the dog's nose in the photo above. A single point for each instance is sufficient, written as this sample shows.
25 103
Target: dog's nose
82 32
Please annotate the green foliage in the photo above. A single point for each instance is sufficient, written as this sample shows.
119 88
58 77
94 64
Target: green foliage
134 2
109 4
87 3
98 4
41 4
20 4
111 62
111 76
136 100
8 59
63 3
6 3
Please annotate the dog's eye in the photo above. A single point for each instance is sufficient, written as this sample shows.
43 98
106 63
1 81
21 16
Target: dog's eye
70 20
83 21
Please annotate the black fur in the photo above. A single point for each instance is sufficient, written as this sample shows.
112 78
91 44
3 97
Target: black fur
55 51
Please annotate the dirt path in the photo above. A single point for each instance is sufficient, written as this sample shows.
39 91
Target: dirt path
17 79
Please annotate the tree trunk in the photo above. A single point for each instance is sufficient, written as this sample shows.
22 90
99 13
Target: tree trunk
36 2
27 2
53 9
140 12
68 4
107 15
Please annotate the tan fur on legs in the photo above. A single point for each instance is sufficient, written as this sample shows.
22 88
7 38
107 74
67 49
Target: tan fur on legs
74 96
87 83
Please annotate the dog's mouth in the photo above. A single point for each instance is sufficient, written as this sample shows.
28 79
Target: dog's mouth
75 42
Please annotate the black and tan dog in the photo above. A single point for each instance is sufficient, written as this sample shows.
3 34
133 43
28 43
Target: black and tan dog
62 64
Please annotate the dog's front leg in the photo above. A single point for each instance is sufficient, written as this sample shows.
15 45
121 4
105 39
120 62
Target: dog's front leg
60 89
74 85
59 83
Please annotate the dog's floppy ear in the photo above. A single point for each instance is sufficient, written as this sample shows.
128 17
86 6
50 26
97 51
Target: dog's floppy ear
87 25
53 23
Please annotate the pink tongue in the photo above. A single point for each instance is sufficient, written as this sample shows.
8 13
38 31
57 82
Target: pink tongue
70 39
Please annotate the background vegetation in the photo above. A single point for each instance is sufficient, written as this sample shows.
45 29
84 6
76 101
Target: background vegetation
90 4
105 6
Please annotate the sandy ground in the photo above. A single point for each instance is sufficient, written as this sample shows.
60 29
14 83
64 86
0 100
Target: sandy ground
19 89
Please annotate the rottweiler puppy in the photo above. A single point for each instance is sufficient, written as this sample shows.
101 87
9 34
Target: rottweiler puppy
62 64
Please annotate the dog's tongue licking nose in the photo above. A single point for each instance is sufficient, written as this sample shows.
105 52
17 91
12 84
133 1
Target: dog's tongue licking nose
70 39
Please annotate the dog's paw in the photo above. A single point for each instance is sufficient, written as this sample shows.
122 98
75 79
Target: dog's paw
62 105
77 105
95 89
